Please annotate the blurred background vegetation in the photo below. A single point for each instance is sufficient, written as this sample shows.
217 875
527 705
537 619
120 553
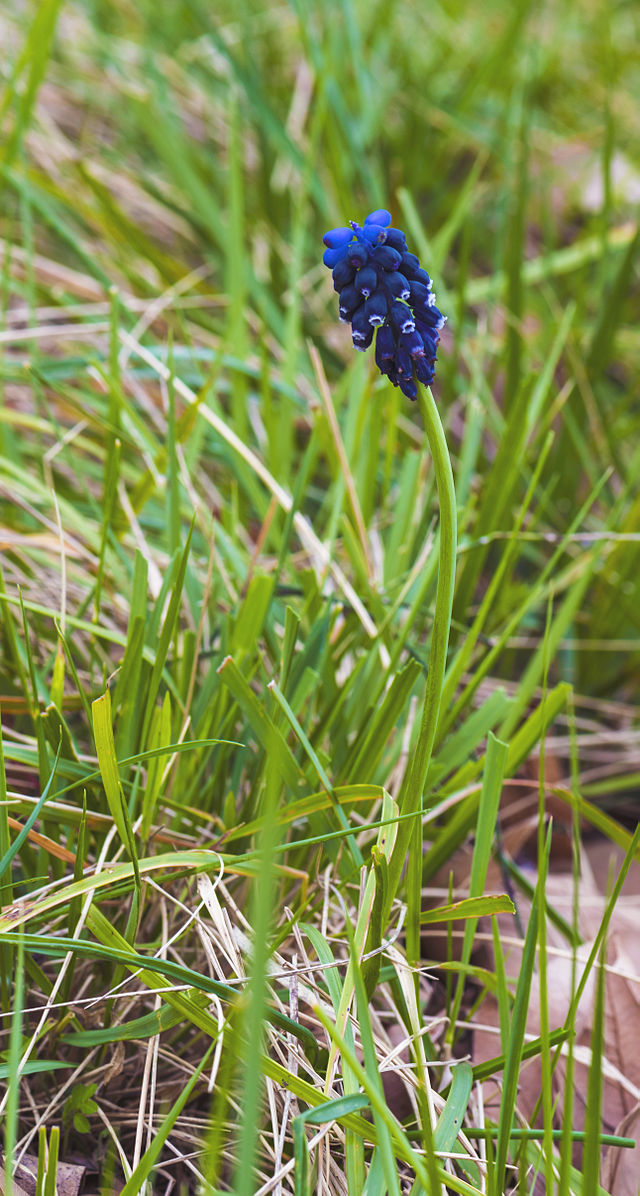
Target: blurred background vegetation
167 171
165 138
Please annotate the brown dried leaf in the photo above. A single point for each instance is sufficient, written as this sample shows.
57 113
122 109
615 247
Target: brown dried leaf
621 1168
68 1178
621 1061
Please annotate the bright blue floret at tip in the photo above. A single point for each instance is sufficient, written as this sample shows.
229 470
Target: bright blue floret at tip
384 291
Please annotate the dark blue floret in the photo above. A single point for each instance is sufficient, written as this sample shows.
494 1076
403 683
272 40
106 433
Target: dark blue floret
418 294
385 344
410 263
360 326
350 300
357 253
431 317
387 258
422 277
396 239
367 280
404 364
413 343
385 292
401 317
398 285
376 308
425 370
343 272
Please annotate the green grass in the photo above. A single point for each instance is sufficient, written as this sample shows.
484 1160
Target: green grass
231 701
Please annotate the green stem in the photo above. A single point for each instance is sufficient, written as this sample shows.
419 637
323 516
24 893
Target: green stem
412 789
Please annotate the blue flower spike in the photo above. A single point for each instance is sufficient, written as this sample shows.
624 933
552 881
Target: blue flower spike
384 291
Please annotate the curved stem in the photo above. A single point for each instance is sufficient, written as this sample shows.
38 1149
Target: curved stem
412 789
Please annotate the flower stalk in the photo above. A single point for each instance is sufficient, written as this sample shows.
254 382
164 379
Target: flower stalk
410 799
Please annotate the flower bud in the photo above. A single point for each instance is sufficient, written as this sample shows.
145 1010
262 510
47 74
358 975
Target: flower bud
331 256
404 364
413 343
336 238
421 275
343 272
366 280
374 234
396 239
357 253
385 343
425 370
380 216
408 387
410 263
386 257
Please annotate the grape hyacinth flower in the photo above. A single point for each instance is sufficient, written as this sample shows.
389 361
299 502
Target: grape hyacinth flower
383 291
